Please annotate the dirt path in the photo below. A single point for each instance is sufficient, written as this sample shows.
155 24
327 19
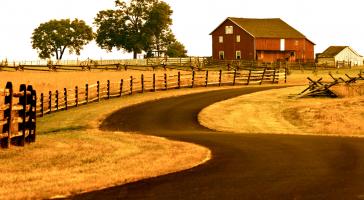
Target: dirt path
244 166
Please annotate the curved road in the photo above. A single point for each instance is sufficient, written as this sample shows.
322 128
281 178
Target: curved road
258 166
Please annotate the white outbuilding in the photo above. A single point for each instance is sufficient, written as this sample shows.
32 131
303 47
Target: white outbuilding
339 56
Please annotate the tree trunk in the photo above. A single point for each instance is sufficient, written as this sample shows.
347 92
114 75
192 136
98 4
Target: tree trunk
56 54
62 52
135 54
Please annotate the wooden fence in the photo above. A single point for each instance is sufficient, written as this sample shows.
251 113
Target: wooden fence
17 115
87 65
70 98
188 63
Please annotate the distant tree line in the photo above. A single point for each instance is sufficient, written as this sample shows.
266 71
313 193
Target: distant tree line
135 27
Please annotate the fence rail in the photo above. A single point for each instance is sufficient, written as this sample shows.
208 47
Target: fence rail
70 98
17 115
125 64
189 63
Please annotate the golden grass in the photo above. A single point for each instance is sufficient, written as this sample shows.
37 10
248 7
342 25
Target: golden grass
71 155
46 81
300 76
77 161
328 116
276 112
253 113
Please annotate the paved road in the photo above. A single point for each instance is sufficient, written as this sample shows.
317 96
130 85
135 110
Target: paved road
258 166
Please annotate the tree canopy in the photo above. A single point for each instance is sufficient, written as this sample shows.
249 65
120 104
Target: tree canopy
176 49
52 38
141 25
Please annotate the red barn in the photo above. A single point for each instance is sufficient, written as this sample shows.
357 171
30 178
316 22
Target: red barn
265 40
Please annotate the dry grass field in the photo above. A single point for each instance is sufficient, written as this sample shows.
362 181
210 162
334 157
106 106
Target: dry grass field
278 112
46 81
72 155
300 76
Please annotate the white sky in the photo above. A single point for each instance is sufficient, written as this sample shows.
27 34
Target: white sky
326 23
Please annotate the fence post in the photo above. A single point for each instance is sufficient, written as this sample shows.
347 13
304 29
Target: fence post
154 87
179 80
285 75
261 81
50 102
76 95
220 78
41 104
165 81
207 78
22 114
108 89
8 113
87 93
33 115
28 113
57 101
98 91
274 76
65 93
131 85
121 87
234 77
250 73
193 79
142 82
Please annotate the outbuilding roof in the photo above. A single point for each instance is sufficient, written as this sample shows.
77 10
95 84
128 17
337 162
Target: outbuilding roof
332 51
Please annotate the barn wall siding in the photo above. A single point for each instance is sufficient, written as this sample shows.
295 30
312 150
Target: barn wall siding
270 47
268 44
229 45
309 53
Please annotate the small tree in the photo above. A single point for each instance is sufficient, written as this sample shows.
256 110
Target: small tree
55 36
176 49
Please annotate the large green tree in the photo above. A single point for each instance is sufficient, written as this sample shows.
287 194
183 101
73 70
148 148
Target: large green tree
140 25
52 38
158 25
176 49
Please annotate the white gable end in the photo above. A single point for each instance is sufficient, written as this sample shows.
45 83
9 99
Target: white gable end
349 55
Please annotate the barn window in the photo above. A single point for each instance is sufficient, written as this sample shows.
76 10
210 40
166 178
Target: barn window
283 44
229 30
221 55
238 55
221 39
238 38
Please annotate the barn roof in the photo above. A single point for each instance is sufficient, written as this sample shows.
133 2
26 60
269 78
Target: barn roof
266 28
332 51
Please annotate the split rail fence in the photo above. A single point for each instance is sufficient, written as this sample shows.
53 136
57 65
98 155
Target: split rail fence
70 98
17 115
116 65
